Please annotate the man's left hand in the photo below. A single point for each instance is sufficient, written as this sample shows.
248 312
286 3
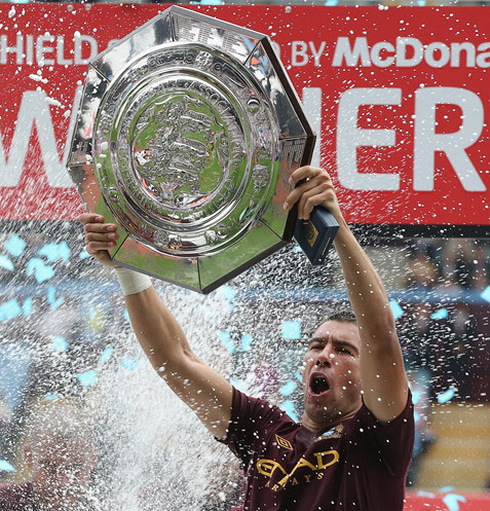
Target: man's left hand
316 190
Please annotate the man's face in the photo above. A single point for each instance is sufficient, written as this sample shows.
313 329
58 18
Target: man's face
60 472
331 377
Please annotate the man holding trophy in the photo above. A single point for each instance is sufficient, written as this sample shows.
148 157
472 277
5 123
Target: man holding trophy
352 448
197 196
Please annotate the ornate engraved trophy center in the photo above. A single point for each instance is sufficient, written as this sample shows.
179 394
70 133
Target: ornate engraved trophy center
187 132
181 151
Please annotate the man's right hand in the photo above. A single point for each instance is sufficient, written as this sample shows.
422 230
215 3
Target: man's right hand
99 237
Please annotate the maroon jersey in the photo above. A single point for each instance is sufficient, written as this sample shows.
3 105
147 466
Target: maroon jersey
360 465
17 497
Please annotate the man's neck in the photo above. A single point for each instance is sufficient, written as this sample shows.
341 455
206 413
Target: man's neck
319 427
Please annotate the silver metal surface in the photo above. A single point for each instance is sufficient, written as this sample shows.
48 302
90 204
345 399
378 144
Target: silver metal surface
187 132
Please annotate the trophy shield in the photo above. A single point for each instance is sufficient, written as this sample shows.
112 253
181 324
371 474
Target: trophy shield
187 132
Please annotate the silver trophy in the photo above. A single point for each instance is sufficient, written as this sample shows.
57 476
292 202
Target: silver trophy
188 130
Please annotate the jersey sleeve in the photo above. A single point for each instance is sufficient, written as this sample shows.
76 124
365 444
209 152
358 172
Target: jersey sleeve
251 423
391 443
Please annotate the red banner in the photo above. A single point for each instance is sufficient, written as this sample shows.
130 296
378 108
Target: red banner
447 501
396 95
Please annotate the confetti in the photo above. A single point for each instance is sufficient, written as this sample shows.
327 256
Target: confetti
246 342
396 309
290 409
240 385
52 397
415 396
228 293
10 310
288 388
38 78
27 306
445 396
88 378
55 251
452 501
291 330
129 363
15 245
53 302
225 338
427 494
446 489
106 354
440 314
5 466
6 263
486 294
84 254
59 344
41 271
52 101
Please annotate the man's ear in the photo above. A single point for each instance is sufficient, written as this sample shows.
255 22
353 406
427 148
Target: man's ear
28 455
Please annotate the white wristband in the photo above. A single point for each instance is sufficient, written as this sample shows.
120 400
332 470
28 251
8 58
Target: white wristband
131 281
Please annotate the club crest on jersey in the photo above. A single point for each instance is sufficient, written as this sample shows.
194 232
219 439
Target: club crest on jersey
335 432
282 442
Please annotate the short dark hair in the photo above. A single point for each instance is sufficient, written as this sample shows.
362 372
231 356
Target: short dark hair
342 315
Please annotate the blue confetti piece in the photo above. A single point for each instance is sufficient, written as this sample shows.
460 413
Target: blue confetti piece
55 251
88 378
209 2
225 338
5 466
228 293
6 263
15 245
291 330
59 344
246 342
84 254
129 363
427 494
239 385
396 309
331 3
298 377
416 417
10 310
486 294
445 396
440 314
126 315
415 396
42 272
297 248
53 302
446 489
452 501
288 388
52 397
27 306
290 409
106 354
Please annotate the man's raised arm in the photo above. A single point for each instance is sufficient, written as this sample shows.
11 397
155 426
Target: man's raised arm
207 393
384 381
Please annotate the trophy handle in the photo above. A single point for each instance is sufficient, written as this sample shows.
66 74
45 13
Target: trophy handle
315 235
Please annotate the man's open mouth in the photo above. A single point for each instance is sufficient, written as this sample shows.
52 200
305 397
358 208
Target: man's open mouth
318 384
